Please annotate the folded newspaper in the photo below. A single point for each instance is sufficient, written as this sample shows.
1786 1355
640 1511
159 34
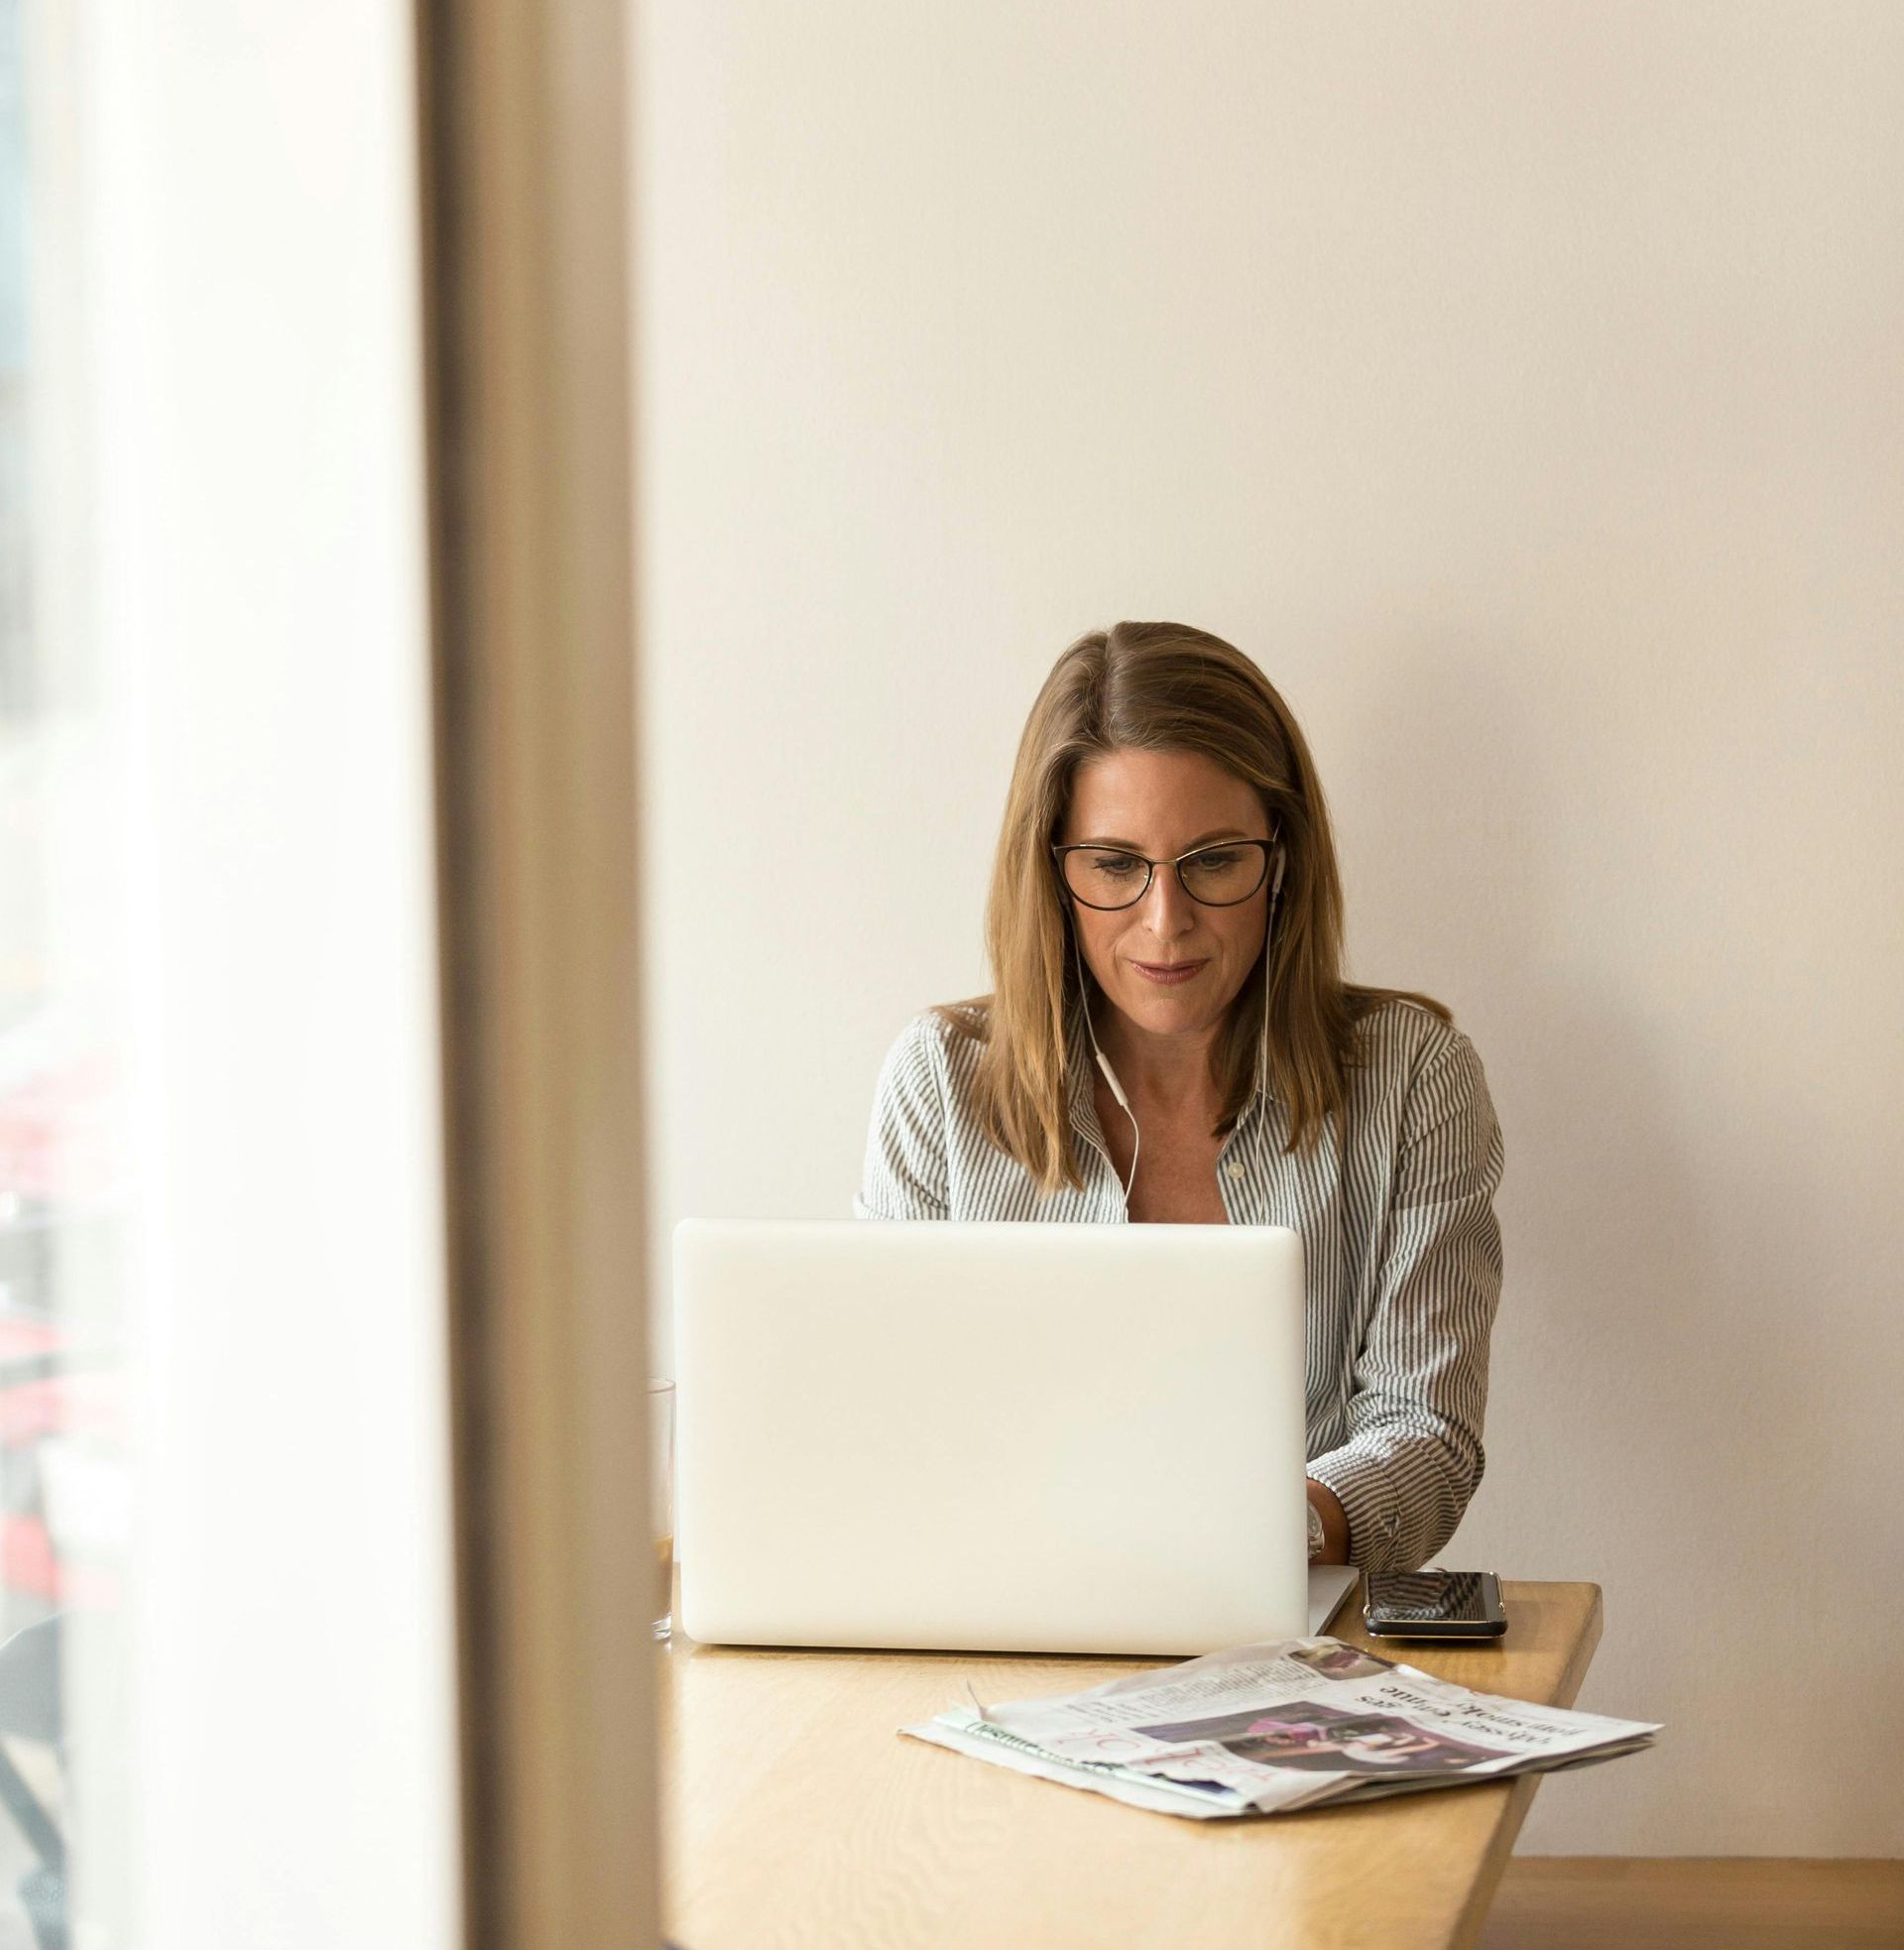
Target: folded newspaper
1265 1729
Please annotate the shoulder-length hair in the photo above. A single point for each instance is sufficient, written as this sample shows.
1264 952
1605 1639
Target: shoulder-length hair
1160 687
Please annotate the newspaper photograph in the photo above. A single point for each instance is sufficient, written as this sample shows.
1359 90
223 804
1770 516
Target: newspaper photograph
1272 1728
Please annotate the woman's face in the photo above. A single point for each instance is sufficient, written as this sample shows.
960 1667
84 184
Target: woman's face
1161 804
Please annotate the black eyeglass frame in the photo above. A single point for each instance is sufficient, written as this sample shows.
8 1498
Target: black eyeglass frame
1150 867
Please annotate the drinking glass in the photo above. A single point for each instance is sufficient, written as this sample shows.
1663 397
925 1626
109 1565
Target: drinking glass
661 1472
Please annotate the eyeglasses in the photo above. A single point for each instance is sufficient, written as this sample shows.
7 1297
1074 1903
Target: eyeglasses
1220 876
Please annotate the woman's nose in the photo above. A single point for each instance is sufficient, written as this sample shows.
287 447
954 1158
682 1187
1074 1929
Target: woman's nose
1165 906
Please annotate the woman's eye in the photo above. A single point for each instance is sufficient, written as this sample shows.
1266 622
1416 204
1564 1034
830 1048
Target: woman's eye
1116 863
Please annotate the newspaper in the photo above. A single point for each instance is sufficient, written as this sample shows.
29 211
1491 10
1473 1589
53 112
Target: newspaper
1265 1729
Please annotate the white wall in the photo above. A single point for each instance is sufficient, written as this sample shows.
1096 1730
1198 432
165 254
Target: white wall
1522 388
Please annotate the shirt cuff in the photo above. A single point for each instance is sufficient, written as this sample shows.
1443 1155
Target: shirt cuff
1367 1498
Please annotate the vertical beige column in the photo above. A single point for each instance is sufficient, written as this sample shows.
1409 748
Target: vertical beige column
524 128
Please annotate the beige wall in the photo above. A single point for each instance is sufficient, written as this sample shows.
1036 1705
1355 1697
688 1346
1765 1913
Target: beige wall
1521 386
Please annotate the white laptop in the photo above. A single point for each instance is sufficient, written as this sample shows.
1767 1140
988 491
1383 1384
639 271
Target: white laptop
991 1436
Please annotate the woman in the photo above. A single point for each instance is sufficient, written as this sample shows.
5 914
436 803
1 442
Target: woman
1170 1040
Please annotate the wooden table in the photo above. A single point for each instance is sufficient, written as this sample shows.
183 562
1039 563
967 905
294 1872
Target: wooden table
796 1814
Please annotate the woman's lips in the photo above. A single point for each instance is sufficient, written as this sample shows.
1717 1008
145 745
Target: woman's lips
1167 975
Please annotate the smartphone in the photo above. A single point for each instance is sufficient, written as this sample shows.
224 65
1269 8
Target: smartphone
1432 1605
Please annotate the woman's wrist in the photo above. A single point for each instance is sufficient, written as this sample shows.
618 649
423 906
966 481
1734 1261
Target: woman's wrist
1335 1524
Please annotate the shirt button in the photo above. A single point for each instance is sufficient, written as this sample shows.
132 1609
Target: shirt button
1235 1170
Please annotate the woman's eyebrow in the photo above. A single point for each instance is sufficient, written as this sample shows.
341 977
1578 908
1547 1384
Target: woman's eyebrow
1131 846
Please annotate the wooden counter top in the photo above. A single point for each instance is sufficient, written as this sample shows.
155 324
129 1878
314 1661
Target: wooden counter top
795 1813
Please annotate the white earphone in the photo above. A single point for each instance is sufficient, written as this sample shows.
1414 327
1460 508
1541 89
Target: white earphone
1268 944
1104 1061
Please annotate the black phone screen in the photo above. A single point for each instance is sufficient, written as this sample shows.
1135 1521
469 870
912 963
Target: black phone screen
1434 1597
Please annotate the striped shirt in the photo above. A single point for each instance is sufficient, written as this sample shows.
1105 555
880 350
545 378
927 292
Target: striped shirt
1401 1248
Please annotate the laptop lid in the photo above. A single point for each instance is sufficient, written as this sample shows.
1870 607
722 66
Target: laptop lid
989 1436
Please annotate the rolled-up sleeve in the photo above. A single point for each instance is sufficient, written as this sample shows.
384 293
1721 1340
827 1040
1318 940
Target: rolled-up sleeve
904 1176
1414 1458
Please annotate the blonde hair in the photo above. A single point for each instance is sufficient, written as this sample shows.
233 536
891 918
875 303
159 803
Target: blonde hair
1160 687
